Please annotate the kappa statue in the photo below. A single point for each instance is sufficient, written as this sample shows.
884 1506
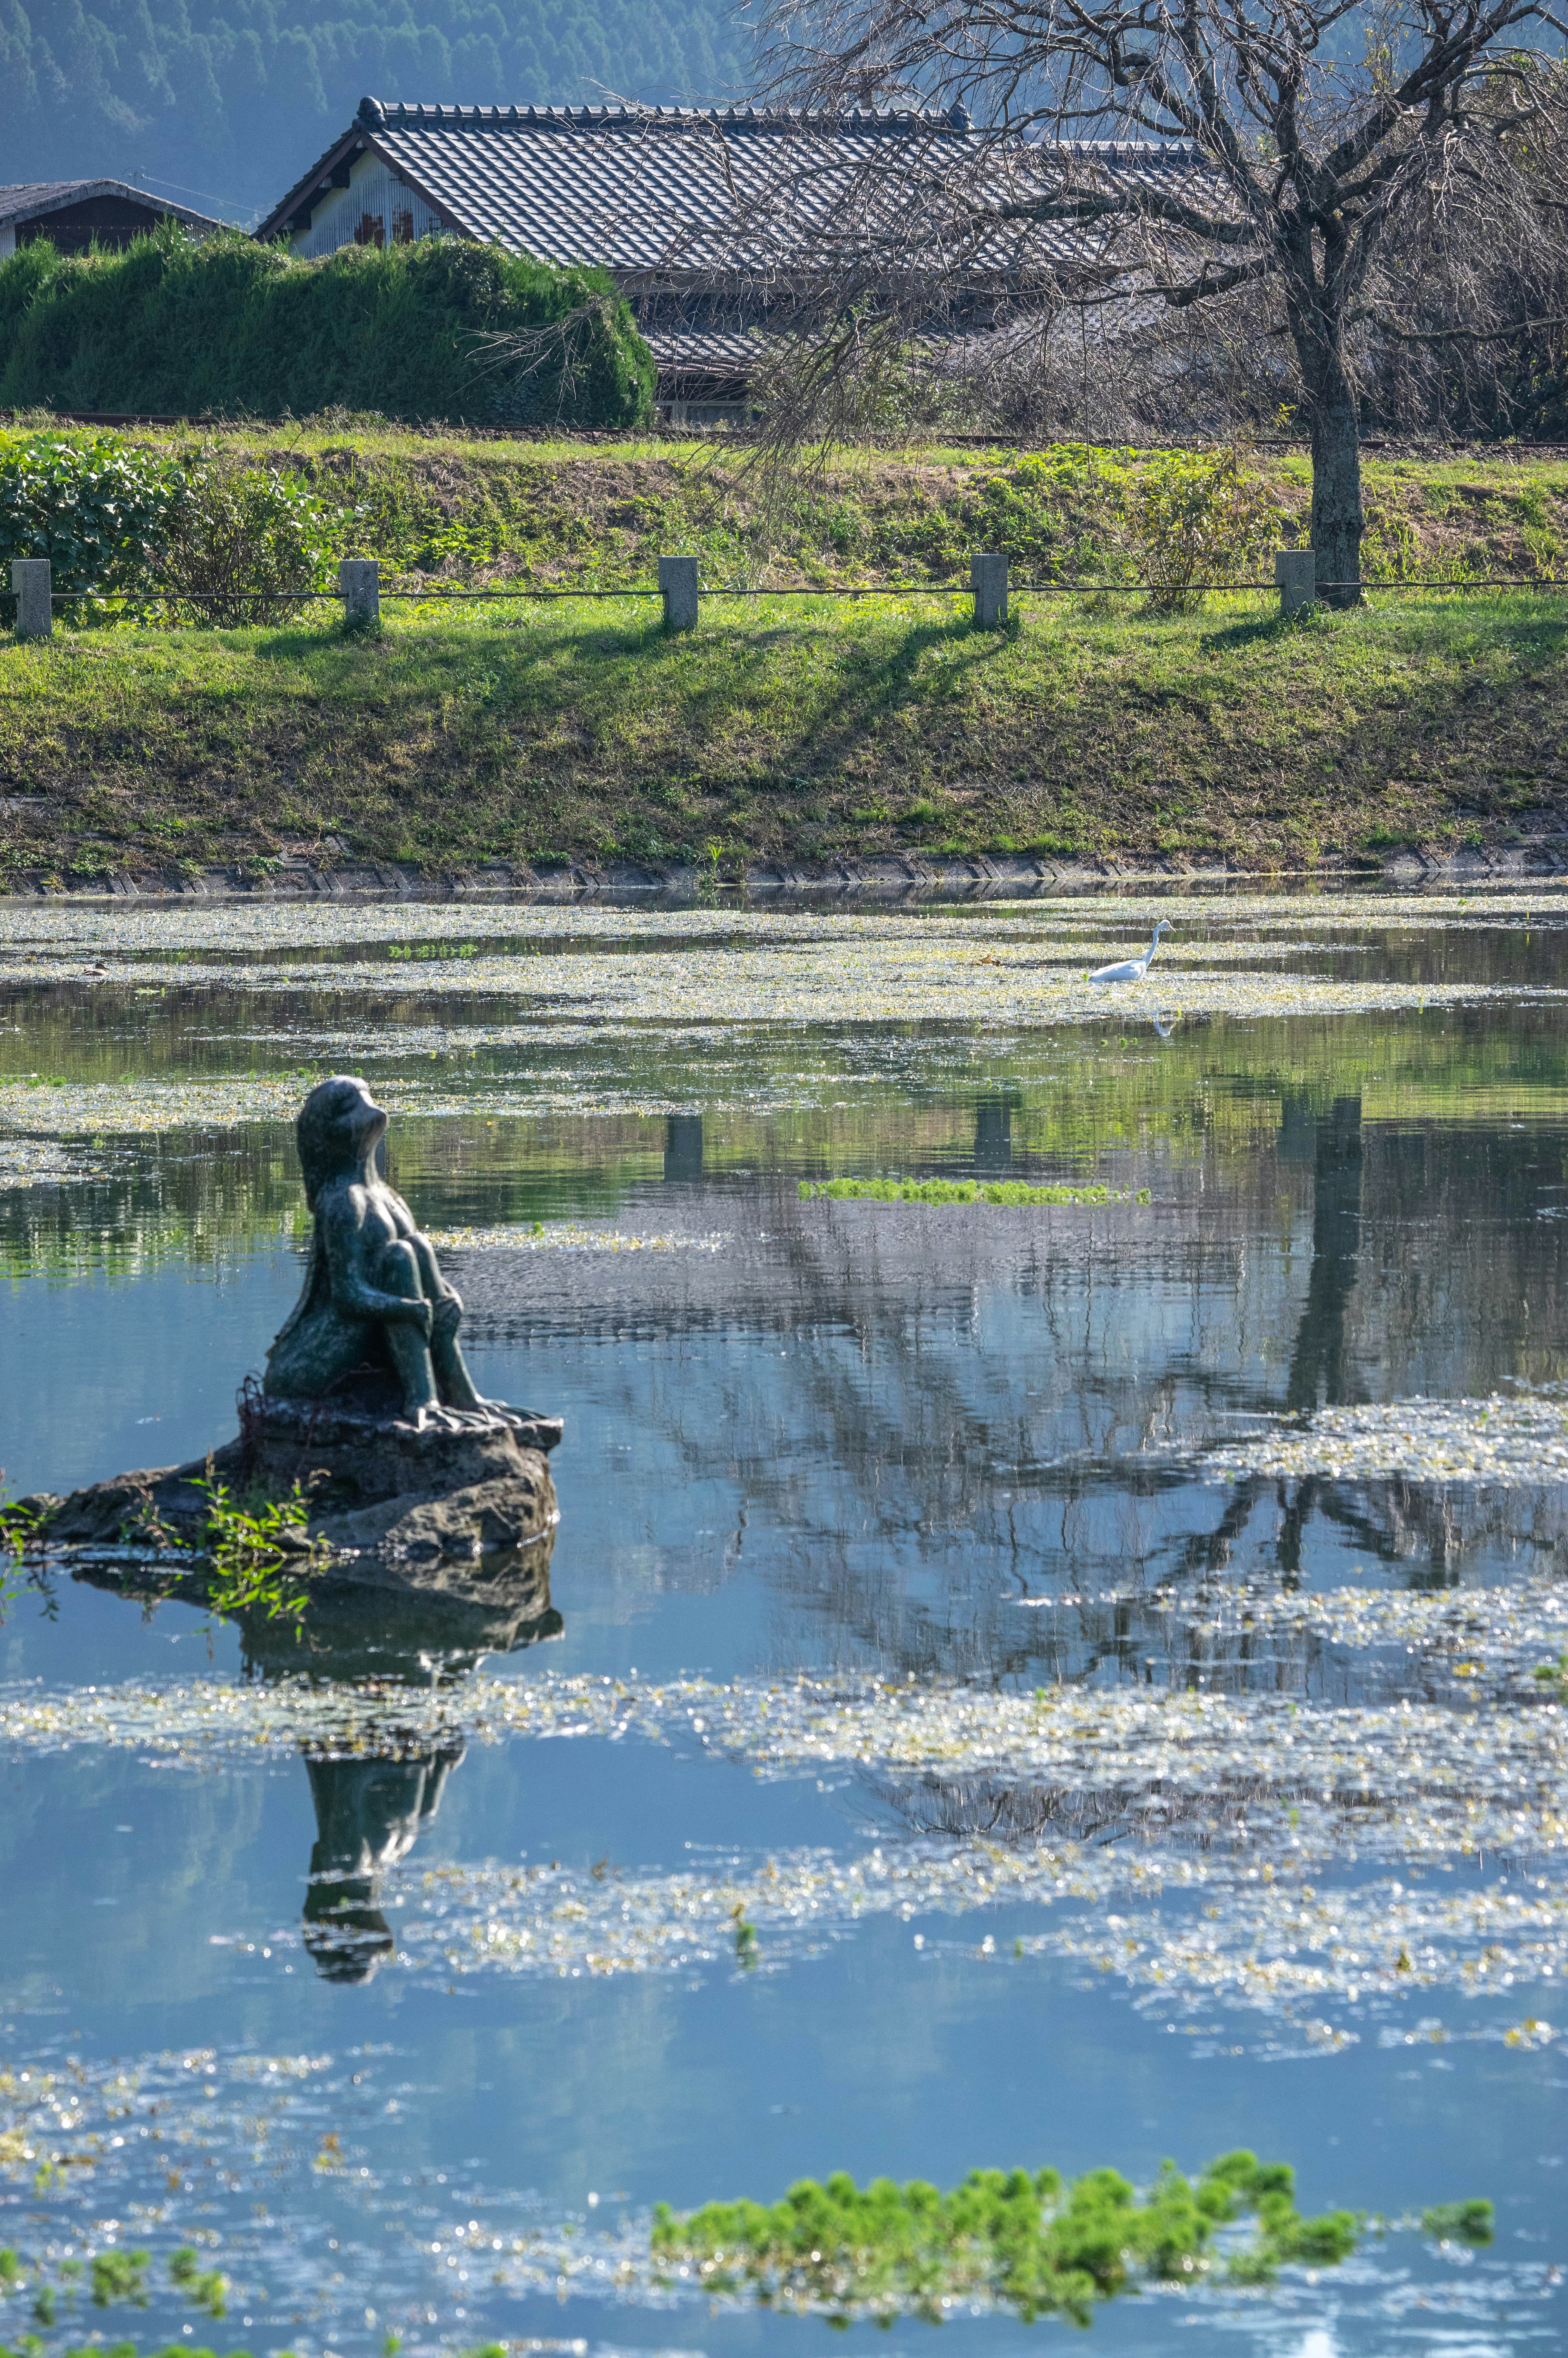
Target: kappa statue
374 1301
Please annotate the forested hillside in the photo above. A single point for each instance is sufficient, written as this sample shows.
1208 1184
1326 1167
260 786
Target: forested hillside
232 99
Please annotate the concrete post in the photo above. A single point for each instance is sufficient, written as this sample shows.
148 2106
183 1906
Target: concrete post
678 586
359 579
31 578
1295 570
987 579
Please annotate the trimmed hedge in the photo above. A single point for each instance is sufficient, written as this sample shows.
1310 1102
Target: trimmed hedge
232 328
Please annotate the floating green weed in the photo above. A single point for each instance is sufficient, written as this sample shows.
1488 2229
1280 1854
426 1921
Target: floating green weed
31 2347
120 2275
1039 2245
958 1191
1459 2222
208 2288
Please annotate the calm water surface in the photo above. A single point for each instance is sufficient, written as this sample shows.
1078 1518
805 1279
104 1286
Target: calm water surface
935 1444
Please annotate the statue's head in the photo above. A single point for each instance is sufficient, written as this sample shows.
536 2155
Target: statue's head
339 1127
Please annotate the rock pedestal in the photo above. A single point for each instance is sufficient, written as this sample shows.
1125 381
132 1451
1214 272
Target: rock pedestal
398 1502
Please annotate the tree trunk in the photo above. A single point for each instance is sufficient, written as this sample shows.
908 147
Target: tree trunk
1314 307
1336 518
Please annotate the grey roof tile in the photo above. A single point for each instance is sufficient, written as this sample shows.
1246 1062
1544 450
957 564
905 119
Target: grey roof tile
648 190
28 199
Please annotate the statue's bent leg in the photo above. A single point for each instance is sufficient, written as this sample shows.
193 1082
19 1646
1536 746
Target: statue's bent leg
399 1273
457 1387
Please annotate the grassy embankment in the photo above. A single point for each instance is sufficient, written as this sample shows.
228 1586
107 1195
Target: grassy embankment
802 728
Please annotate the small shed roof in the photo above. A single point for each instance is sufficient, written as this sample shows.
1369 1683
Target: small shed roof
27 200
635 189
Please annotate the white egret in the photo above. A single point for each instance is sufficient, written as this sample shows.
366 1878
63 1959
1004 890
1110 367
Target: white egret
1132 969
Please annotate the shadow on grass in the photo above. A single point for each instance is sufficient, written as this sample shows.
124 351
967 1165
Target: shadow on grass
1537 622
884 687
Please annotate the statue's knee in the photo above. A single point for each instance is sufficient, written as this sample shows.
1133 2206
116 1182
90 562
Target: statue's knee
400 1269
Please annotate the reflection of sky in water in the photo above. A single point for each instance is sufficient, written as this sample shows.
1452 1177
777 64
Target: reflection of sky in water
843 1439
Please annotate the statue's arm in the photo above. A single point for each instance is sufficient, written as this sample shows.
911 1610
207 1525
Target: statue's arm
342 1223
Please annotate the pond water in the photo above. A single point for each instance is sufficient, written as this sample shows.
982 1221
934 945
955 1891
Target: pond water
1112 1706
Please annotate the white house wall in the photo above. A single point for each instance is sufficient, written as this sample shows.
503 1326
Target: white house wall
375 189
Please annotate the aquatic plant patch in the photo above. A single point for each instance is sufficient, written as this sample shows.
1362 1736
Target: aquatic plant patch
27 1162
1032 2243
74 934
268 2162
570 1236
1250 1929
904 976
959 1191
1415 1781
1479 1634
1507 1438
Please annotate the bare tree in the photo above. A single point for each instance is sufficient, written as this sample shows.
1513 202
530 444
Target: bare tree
1316 158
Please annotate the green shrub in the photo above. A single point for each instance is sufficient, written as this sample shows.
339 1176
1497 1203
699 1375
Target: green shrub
1170 518
1194 516
96 509
229 326
243 545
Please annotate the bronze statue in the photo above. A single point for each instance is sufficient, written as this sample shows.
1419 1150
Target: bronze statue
374 1301
413 1481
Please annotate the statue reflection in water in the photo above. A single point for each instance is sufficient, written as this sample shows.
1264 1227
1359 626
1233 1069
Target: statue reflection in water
369 1816
371 1810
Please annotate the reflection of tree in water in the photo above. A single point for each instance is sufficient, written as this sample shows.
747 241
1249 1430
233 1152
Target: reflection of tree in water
1318 1374
369 1816
992 1808
959 1421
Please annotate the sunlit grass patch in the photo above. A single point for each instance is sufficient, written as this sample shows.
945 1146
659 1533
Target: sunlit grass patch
960 1190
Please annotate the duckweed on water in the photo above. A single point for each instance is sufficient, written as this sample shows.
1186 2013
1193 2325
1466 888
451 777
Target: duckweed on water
220 2151
1521 1438
570 1236
1029 2242
1247 1930
32 2348
1419 1778
957 1191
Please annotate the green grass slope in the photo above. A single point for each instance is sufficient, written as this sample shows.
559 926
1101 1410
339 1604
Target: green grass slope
808 727
798 729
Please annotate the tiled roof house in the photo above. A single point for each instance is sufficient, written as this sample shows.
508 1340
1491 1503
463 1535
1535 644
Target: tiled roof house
654 196
75 214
